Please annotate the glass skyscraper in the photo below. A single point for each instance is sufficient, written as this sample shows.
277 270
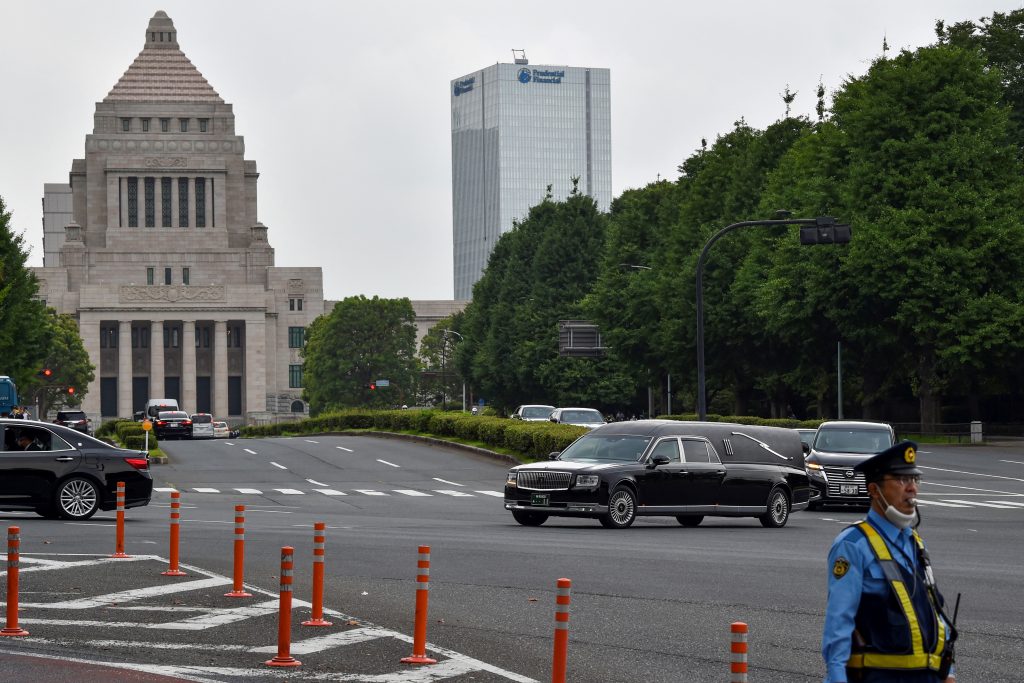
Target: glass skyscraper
517 129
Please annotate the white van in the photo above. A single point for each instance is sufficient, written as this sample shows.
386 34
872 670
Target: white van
155 405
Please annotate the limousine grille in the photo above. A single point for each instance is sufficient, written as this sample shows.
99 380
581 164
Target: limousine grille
837 476
544 481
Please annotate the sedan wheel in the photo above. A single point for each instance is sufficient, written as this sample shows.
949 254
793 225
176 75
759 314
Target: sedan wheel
529 518
77 498
621 509
778 510
690 520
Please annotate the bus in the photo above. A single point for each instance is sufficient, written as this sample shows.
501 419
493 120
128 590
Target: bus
8 395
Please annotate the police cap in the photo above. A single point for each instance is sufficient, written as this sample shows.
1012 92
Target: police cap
898 459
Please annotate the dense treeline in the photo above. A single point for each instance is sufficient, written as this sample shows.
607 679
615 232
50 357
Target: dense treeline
921 155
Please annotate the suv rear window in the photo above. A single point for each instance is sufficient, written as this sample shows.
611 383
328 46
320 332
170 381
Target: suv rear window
173 415
202 419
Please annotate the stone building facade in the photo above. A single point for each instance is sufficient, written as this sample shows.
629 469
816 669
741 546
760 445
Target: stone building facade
155 246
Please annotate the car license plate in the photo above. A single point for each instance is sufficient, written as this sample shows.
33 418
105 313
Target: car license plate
848 489
540 499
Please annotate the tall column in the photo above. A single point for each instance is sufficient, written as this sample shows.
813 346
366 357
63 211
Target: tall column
156 359
220 369
124 368
90 331
256 365
188 366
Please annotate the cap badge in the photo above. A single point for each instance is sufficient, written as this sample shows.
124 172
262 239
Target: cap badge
910 455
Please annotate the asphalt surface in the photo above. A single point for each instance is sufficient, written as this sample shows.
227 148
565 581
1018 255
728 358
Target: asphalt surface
650 603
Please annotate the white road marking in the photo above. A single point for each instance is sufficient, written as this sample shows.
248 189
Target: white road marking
167 489
342 448
330 492
228 443
279 466
316 483
448 492
1015 462
966 488
496 494
978 502
290 492
253 491
939 502
320 643
445 481
136 594
369 492
311 441
88 524
388 463
1008 502
249 451
205 490
974 474
410 492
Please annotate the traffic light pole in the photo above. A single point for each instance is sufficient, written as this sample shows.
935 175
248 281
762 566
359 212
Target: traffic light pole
826 232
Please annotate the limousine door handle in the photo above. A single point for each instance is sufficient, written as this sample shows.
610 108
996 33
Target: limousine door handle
64 458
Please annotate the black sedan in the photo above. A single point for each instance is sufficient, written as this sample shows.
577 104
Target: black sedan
686 470
60 472
174 424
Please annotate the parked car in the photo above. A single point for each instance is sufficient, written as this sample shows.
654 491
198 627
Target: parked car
172 424
202 426
67 473
155 405
221 430
75 419
838 446
582 417
532 413
687 470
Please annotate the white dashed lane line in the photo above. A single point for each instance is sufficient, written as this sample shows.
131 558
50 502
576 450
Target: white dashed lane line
445 481
316 483
279 466
342 448
331 492
249 451
458 494
387 463
411 492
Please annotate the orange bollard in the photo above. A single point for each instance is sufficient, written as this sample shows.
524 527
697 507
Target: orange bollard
237 590
419 639
319 537
13 554
739 652
119 539
175 535
284 621
561 653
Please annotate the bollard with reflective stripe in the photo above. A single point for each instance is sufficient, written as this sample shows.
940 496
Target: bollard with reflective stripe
175 537
419 639
284 620
119 538
13 560
319 538
561 650
237 589
739 652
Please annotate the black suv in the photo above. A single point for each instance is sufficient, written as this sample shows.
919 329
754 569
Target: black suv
75 419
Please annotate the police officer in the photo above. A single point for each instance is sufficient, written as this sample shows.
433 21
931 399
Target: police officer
884 621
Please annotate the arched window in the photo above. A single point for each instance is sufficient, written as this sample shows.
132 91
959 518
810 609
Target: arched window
298 407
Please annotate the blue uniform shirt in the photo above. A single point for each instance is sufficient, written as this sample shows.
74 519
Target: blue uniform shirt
863 575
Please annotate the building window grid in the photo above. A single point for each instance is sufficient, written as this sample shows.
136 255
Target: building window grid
296 337
183 123
165 202
150 276
183 202
133 202
150 190
126 125
167 276
165 125
204 125
200 202
186 276
294 376
145 125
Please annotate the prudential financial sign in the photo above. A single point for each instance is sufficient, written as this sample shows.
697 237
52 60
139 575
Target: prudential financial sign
540 76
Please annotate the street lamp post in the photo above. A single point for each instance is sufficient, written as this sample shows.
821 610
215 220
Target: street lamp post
461 338
820 230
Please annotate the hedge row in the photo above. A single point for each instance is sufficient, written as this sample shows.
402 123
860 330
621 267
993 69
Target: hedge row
748 420
530 439
128 433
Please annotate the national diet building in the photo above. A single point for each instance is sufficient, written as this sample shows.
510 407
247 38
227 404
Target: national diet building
154 245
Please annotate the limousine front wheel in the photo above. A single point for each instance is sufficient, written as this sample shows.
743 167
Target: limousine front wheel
778 510
621 509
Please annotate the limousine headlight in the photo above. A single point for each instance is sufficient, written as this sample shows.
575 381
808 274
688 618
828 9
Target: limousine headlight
510 480
587 481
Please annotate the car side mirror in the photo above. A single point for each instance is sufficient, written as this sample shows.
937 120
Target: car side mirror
553 455
806 447
660 460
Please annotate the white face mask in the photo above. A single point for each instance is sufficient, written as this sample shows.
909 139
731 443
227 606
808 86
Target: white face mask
899 519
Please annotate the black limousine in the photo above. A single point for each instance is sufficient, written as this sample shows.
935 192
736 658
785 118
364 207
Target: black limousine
686 470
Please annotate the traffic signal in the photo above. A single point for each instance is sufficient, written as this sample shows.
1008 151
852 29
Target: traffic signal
71 391
373 386
46 374
825 231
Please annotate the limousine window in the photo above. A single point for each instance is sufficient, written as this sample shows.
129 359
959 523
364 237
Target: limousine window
696 450
667 447
608 449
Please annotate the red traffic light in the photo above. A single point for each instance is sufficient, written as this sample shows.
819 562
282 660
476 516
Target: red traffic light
372 386
46 373
71 390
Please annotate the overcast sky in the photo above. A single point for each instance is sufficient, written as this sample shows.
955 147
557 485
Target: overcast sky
345 106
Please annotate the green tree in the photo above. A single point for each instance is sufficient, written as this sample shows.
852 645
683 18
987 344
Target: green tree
22 316
441 376
360 341
67 358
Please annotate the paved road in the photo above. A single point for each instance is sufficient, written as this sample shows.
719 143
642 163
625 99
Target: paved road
650 603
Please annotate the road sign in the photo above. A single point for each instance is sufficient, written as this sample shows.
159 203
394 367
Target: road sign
383 383
146 425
